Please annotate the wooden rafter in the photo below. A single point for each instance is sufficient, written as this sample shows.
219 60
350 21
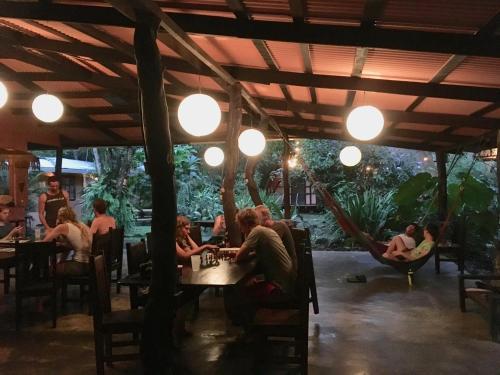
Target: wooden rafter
408 40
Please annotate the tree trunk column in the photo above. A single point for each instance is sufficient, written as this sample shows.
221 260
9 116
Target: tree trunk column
157 343
286 180
231 164
442 188
58 166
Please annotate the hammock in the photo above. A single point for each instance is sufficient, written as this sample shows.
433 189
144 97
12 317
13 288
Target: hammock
376 249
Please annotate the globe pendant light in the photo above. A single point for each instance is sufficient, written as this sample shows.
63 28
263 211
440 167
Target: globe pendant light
47 108
365 122
214 156
199 114
4 95
251 142
350 156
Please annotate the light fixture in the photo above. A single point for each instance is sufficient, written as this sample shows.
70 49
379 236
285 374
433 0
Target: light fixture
199 114
365 122
490 154
350 156
47 108
214 156
251 142
4 94
292 163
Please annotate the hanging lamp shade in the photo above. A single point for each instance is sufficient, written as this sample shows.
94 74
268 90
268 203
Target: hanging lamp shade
365 123
47 108
4 94
199 114
292 163
252 142
214 156
350 156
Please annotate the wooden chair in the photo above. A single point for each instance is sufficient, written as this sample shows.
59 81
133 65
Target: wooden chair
101 244
273 325
108 322
35 275
136 255
305 235
485 295
195 234
116 261
7 275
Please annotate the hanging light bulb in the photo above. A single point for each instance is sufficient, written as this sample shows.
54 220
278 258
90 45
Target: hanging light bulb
350 156
199 114
4 94
252 142
365 122
214 156
292 163
47 108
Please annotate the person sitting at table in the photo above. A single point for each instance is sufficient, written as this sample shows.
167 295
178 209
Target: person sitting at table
78 237
280 227
7 229
102 222
184 244
277 266
401 253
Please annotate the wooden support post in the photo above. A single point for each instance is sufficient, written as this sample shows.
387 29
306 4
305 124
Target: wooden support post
286 179
442 182
231 164
58 166
250 166
497 242
157 342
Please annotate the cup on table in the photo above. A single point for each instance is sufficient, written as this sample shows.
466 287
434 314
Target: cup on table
195 262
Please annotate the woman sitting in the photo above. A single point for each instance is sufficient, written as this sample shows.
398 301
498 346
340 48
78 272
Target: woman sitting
102 222
78 237
401 253
185 246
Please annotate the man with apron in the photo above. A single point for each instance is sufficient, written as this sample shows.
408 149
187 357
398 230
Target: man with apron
50 202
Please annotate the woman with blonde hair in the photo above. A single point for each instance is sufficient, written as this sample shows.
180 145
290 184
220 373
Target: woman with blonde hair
77 236
185 246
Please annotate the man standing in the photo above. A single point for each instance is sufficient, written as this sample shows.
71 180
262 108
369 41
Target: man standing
50 202
280 227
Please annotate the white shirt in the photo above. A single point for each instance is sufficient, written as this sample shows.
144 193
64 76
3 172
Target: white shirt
408 241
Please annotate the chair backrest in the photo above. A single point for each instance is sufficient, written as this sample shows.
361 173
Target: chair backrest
136 255
195 233
101 243
35 262
100 285
149 243
302 285
117 239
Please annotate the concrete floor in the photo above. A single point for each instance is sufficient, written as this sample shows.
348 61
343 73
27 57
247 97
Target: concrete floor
381 327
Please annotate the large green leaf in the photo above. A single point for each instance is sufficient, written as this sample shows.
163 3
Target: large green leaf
414 188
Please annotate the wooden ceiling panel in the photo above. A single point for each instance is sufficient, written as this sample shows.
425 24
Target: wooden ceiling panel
299 93
111 117
88 102
383 101
402 65
231 51
478 71
330 96
337 10
470 132
287 56
61 86
265 91
73 34
494 114
22 67
195 81
30 28
457 107
332 60
421 127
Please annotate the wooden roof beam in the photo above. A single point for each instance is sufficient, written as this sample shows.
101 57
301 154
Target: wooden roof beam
408 40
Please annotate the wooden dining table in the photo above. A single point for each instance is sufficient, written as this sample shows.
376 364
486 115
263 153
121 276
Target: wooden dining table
226 274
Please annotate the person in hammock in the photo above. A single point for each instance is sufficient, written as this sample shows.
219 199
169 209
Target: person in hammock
401 253
407 237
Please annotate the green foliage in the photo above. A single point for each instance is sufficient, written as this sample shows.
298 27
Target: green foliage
271 201
415 198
